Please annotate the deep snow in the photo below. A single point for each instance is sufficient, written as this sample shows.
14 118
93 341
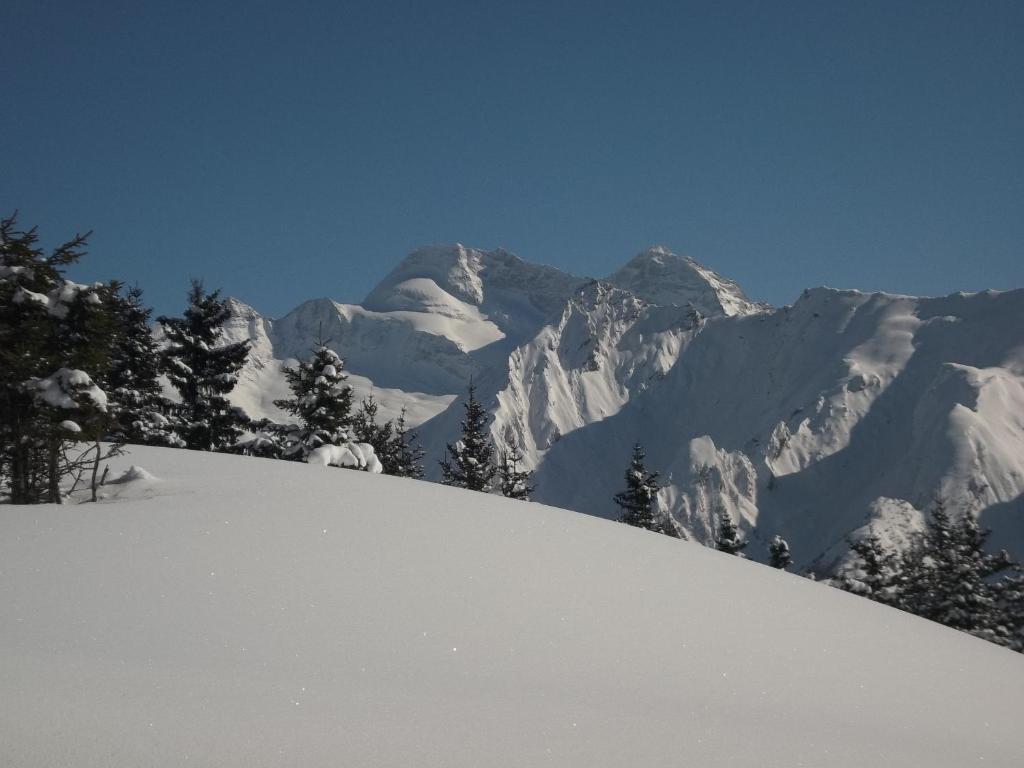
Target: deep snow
247 612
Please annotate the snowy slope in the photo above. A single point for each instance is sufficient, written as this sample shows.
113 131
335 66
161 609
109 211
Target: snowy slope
246 612
818 418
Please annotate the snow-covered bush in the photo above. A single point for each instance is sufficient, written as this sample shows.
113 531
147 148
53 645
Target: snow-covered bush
350 455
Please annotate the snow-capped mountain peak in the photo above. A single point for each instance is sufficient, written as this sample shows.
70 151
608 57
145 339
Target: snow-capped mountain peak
659 276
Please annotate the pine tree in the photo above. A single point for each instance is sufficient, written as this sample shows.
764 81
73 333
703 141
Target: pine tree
1006 626
469 463
322 403
131 383
729 539
946 576
51 330
204 370
365 429
778 553
406 454
515 483
638 500
875 572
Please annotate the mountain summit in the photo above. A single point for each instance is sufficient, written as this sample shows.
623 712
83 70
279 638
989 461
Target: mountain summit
661 277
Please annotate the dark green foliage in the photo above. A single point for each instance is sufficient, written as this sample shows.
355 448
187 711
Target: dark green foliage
638 501
469 463
874 571
55 339
729 539
944 575
406 455
131 382
204 370
322 403
515 482
778 553
365 429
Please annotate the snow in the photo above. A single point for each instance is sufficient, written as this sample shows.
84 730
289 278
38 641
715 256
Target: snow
132 474
352 455
60 388
248 612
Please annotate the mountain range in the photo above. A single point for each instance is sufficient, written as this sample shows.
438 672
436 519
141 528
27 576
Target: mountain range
843 412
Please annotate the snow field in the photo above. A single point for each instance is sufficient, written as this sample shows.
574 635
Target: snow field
248 612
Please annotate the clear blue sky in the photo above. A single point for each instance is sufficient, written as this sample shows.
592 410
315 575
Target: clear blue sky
291 150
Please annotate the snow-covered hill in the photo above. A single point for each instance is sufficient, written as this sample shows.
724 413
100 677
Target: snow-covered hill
248 612
811 421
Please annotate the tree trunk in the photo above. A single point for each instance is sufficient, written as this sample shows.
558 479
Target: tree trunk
95 469
53 471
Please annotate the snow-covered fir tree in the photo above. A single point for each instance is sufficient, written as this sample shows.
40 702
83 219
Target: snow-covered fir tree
406 454
52 332
638 501
136 402
469 463
515 482
204 370
322 403
365 429
1007 625
778 553
874 571
729 539
946 576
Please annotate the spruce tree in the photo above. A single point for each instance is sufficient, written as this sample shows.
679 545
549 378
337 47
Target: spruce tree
131 383
204 370
1006 624
778 553
875 572
405 454
52 332
729 539
638 500
365 429
469 463
322 403
946 577
515 483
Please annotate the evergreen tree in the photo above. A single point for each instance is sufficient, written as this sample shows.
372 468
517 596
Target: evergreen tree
778 553
131 383
365 429
1006 625
406 454
322 403
729 539
874 572
469 463
51 330
639 499
515 483
946 576
204 370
